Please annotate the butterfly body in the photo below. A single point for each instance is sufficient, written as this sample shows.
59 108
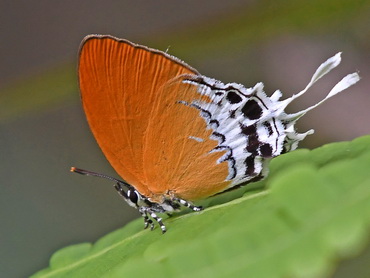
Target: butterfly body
174 135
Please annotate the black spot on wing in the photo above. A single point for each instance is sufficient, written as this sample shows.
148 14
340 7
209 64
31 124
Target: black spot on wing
249 164
253 144
232 114
248 130
233 97
252 110
268 126
266 150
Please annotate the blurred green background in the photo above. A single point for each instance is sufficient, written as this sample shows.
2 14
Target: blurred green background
43 130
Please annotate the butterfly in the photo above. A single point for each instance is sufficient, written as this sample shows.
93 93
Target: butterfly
176 136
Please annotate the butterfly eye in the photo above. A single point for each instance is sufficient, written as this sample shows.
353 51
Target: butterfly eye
133 196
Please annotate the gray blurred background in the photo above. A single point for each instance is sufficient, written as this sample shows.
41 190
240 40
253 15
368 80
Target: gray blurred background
43 131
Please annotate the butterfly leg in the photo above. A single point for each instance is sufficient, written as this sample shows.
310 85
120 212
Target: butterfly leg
147 220
145 211
159 220
187 204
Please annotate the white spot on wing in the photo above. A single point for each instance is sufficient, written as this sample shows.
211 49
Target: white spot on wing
200 140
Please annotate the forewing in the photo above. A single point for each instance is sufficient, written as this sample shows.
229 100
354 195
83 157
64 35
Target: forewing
119 82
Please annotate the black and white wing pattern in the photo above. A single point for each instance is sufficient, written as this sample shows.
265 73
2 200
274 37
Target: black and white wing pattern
250 127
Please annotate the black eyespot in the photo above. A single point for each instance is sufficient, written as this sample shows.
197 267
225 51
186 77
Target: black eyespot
133 196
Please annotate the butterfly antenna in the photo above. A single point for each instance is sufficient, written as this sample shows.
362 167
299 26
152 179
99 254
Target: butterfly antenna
94 174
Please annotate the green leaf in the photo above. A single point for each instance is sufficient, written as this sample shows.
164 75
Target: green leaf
312 210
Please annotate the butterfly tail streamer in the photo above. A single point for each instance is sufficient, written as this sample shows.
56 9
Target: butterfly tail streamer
323 69
342 85
292 137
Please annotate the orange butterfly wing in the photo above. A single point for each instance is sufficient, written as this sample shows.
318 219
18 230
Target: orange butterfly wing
119 82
